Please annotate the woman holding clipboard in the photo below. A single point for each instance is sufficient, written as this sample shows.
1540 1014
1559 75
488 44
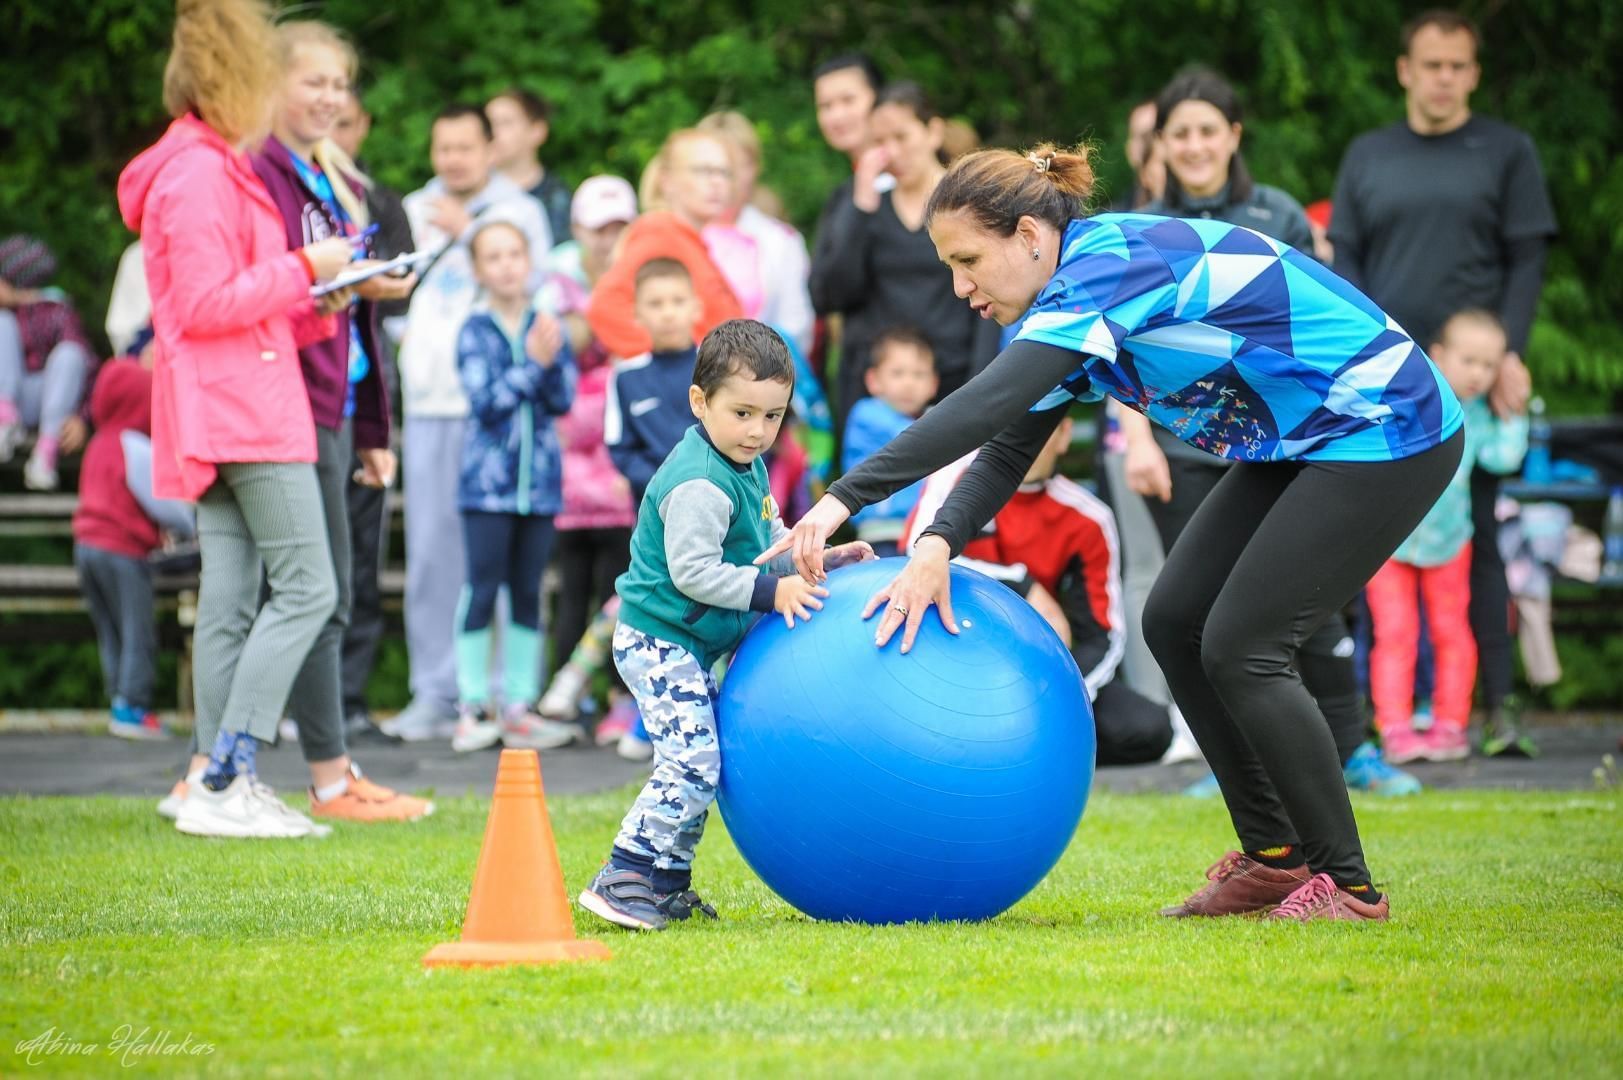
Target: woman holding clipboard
320 193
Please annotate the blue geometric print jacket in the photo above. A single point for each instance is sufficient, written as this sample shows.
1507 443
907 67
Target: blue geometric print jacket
511 460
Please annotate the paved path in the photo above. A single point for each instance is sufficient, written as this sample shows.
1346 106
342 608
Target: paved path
90 765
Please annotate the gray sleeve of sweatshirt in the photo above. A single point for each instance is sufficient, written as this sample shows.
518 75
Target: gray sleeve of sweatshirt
697 515
171 514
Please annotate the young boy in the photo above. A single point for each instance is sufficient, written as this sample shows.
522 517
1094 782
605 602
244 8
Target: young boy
1435 562
647 411
116 526
690 595
901 380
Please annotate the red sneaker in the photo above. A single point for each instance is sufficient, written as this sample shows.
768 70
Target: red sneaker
1322 898
1404 745
1445 744
1240 885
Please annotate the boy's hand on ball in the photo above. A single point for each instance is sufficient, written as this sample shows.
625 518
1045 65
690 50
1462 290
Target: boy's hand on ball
797 597
846 554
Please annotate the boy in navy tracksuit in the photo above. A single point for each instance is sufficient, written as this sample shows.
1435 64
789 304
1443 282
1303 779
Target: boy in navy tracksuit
646 412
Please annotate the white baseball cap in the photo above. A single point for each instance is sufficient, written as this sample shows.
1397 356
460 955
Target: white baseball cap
601 200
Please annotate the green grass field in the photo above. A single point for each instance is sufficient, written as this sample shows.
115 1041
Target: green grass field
1505 957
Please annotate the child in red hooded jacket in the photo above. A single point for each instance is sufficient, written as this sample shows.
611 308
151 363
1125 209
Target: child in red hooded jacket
119 523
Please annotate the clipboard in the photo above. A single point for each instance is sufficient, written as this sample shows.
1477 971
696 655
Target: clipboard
354 277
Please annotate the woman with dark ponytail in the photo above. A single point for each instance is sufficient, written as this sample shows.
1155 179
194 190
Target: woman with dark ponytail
1342 432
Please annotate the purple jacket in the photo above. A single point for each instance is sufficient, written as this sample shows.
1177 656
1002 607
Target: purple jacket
326 362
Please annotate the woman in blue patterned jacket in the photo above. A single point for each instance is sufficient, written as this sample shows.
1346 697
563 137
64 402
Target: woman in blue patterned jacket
519 375
1342 435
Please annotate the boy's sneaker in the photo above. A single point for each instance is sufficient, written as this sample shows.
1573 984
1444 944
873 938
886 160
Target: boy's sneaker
562 699
422 721
625 898
1504 736
635 745
1183 746
678 906
169 805
365 801
1423 717
140 726
1368 771
1446 744
245 809
522 729
1321 898
475 730
1403 745
1239 885
620 719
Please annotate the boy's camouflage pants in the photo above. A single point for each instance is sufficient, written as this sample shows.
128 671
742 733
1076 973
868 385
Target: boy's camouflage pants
676 697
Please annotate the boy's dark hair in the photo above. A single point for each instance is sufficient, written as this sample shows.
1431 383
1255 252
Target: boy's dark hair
536 107
858 60
461 110
1447 21
742 346
661 268
899 335
1481 316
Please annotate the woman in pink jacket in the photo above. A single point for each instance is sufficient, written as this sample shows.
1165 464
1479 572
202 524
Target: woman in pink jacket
231 421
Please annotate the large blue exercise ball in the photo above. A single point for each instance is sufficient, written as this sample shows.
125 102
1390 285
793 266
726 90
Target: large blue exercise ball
863 785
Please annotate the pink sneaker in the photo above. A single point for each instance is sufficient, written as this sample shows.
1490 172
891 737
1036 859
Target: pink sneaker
1403 745
1445 744
616 722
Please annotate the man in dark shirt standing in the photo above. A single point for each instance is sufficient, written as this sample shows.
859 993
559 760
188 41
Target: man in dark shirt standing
1441 212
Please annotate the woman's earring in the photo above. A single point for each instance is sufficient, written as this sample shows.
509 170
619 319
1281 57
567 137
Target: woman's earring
1035 254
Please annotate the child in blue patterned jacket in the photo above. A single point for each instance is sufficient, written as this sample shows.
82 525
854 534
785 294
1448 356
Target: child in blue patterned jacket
519 375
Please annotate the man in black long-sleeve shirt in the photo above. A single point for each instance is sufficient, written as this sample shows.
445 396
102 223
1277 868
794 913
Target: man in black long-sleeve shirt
1441 212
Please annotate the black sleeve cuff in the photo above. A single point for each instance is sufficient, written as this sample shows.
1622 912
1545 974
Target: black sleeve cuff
765 595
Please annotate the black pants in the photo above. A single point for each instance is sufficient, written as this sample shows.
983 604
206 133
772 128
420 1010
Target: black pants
1490 593
1273 552
118 592
1326 657
1131 729
588 561
369 547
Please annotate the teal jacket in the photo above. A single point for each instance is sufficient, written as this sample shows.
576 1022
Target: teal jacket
703 521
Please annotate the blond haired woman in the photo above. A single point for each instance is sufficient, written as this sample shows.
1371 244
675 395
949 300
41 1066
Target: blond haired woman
686 186
319 193
232 427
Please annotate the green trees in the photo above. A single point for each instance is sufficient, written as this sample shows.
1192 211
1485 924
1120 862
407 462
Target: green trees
79 94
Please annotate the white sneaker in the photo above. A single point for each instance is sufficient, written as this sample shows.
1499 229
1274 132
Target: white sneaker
245 809
524 730
169 805
634 749
562 699
37 475
421 721
287 730
475 730
11 437
1183 746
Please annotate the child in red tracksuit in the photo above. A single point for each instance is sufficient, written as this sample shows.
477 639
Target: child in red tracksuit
119 523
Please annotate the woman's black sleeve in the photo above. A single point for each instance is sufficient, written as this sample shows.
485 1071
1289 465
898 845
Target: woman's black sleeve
998 398
993 477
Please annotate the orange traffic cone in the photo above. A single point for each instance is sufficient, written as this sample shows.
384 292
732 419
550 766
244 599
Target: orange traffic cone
518 912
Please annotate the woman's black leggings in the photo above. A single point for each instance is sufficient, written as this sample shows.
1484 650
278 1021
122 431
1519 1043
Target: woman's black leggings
1325 659
1269 556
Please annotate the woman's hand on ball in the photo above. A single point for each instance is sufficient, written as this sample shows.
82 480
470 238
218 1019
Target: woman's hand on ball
809 537
796 596
925 581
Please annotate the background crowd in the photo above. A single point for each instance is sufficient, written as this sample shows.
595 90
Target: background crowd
534 370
